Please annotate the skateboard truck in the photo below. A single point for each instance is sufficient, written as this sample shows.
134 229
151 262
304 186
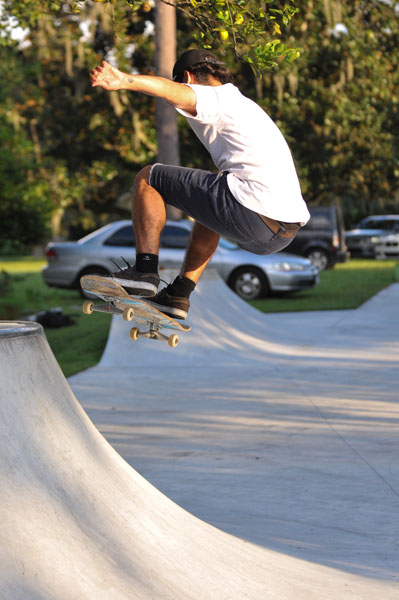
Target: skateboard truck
154 333
128 313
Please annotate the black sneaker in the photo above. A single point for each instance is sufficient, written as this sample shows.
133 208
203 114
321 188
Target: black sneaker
172 306
136 283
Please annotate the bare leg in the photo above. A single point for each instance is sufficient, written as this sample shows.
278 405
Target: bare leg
148 213
202 245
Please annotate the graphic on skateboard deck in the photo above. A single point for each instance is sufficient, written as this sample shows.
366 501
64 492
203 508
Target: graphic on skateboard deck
118 302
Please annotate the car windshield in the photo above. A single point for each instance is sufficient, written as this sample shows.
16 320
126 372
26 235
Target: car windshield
383 223
227 244
371 225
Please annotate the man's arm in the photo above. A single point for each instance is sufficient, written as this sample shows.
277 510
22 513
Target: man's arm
177 94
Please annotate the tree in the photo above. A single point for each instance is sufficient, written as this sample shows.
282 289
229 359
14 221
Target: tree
166 118
25 206
87 155
86 146
252 29
338 105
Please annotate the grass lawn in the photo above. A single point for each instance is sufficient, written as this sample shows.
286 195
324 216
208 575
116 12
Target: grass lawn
79 346
23 292
347 285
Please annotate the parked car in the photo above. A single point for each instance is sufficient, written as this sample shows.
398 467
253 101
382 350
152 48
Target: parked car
322 239
249 275
371 231
388 247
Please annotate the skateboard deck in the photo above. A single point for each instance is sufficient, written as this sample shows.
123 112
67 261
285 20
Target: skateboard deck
117 301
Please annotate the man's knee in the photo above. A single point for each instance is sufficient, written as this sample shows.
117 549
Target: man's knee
142 178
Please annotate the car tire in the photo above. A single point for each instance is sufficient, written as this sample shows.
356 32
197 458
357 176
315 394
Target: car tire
249 283
89 271
319 258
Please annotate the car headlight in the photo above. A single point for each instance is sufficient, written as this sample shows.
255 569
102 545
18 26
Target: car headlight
287 266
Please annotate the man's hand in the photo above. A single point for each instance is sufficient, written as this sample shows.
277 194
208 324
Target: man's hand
177 94
108 77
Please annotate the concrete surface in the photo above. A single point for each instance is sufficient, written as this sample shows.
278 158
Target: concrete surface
279 429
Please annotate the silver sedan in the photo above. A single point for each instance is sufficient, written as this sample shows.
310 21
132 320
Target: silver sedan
251 276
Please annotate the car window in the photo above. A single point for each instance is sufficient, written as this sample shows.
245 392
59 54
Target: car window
174 237
390 224
320 222
371 224
380 224
122 237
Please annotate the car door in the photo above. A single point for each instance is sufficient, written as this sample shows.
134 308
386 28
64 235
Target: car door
173 243
121 243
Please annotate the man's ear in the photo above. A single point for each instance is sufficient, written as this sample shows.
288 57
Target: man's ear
188 77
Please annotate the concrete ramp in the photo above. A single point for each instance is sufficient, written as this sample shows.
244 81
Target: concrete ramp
228 333
76 522
280 429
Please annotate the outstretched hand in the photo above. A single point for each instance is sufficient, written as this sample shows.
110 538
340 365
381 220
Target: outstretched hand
108 77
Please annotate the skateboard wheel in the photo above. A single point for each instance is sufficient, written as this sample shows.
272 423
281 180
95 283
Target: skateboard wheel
134 333
173 340
128 313
88 307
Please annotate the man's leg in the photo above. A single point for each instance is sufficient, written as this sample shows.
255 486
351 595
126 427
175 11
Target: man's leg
148 213
202 245
149 217
196 193
174 299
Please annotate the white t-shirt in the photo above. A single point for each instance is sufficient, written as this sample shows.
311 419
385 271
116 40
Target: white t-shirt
242 139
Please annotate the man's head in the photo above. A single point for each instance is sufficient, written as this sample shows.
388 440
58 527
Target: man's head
203 65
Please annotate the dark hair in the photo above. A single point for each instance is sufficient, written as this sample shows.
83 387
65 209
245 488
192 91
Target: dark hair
202 72
202 64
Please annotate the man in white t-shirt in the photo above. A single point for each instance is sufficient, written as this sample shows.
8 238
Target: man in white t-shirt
254 199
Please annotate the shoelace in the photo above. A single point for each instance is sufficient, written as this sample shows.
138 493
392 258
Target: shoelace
128 265
164 290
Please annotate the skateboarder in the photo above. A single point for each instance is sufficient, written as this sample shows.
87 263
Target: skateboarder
254 199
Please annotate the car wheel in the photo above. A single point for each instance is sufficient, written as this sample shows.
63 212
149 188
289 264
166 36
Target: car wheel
319 258
90 271
249 283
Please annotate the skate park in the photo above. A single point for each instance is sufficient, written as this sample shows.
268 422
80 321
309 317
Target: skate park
258 459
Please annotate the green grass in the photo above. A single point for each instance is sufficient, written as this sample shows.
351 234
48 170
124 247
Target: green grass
80 346
23 292
347 285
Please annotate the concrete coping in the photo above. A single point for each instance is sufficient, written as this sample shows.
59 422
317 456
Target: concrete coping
14 329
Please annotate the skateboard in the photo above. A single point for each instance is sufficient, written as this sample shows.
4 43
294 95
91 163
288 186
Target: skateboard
117 301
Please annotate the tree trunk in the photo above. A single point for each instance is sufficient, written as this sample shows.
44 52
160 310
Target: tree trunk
166 117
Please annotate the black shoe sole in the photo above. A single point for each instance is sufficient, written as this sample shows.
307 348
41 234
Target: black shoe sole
181 314
149 290
139 292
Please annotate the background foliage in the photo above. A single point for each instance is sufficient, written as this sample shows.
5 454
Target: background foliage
339 104
69 152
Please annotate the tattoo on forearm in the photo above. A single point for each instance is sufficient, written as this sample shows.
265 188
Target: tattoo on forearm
130 79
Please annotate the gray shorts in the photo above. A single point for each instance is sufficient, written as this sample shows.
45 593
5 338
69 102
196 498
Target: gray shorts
206 197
